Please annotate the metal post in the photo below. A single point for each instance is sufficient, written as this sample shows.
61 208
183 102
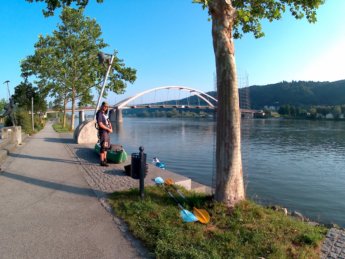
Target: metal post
32 113
10 103
103 86
8 89
81 116
142 171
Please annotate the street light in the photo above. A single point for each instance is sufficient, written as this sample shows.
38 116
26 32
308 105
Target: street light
104 59
10 104
8 89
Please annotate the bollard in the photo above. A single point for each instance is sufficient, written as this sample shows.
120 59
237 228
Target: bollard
138 169
142 171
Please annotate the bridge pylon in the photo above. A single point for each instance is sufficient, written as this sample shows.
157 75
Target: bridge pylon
115 115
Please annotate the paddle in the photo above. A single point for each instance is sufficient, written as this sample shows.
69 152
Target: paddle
186 215
202 215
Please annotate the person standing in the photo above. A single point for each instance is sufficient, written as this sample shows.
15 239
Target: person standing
104 129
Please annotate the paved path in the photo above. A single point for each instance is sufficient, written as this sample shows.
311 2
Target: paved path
48 210
334 245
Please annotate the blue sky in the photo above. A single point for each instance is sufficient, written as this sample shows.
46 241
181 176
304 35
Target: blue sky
169 42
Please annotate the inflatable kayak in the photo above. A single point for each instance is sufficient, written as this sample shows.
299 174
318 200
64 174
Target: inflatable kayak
116 154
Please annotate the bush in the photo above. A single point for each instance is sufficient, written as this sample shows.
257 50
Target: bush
39 122
23 119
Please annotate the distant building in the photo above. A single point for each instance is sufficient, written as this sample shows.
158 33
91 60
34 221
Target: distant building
271 108
329 116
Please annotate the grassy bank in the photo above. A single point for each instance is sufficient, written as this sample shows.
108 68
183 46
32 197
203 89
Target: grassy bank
247 231
58 127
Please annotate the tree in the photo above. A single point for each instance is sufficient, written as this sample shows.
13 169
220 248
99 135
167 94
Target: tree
23 94
3 104
230 19
66 63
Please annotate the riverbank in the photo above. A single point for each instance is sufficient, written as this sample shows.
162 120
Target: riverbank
246 231
113 182
106 181
285 162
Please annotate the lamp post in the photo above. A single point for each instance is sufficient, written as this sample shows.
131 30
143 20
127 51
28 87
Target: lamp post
104 59
32 113
10 104
8 88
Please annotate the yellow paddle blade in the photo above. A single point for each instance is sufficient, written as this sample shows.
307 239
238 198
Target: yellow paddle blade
202 215
169 181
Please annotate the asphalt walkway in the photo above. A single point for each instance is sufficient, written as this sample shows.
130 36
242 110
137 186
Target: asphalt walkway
48 210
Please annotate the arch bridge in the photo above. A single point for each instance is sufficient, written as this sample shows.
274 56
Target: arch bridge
86 131
207 102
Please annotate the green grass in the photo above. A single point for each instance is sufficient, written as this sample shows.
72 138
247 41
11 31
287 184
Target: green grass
60 129
246 231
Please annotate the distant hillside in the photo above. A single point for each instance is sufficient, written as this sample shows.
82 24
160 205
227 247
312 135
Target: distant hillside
297 93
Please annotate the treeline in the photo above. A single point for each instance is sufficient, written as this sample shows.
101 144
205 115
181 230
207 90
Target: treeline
296 93
313 112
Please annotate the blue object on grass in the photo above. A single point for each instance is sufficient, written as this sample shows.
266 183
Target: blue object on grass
186 215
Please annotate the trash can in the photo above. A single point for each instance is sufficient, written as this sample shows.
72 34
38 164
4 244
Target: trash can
138 165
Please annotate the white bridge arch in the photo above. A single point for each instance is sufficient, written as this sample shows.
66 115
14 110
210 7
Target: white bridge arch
201 95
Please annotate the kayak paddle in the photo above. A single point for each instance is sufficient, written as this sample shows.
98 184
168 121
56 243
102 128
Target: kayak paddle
202 215
186 215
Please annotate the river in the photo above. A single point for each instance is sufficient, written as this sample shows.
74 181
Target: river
297 164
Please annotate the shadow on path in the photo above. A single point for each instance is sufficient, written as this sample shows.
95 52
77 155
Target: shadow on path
43 158
87 154
62 140
50 185
59 140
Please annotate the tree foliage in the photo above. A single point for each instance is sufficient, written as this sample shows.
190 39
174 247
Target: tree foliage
3 104
23 94
54 4
65 63
249 13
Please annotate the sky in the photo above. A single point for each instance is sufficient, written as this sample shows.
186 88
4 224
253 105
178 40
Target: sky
169 42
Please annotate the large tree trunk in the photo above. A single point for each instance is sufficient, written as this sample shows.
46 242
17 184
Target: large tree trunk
64 113
229 178
73 110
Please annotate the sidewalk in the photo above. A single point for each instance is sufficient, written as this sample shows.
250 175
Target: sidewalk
48 210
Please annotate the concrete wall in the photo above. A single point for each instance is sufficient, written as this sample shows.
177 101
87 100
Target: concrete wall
86 133
11 137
